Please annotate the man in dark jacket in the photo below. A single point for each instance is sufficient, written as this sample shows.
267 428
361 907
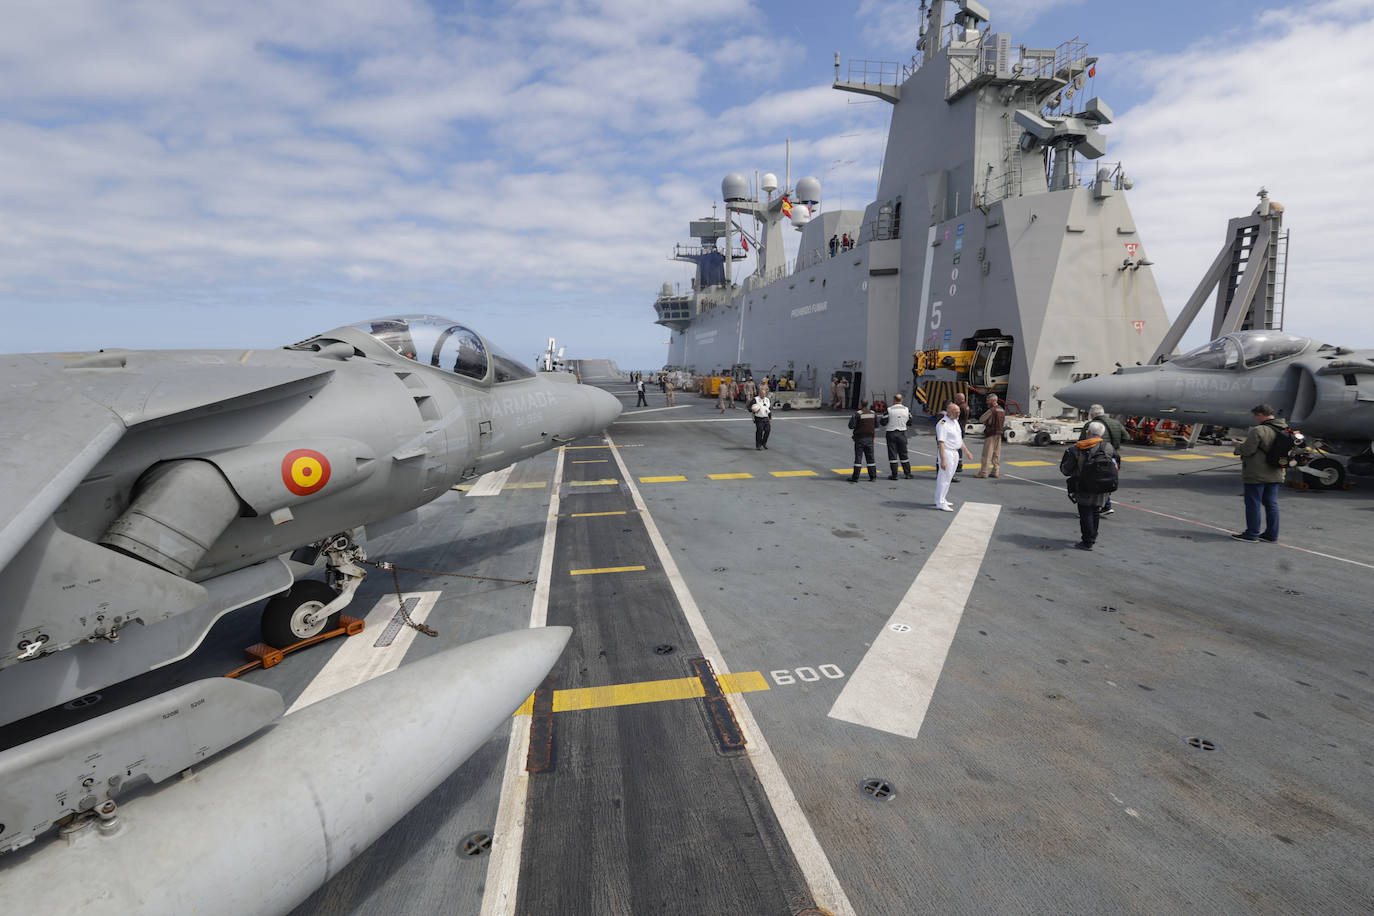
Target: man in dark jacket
864 422
1261 478
1115 434
1090 500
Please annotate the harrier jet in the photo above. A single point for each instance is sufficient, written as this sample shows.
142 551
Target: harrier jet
148 493
1324 391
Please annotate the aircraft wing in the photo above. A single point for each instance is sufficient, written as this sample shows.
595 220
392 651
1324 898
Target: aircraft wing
63 414
54 436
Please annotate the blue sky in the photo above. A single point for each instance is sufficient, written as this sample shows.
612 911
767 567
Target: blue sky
202 174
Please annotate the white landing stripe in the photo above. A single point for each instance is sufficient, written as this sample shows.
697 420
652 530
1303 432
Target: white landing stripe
820 877
358 660
490 483
503 869
892 686
654 409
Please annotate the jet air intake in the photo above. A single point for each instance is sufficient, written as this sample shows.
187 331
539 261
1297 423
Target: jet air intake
180 510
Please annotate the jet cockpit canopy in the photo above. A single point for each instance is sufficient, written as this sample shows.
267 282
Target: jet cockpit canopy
1243 349
445 344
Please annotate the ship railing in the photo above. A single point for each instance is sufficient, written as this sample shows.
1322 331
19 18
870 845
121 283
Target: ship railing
973 65
873 72
881 229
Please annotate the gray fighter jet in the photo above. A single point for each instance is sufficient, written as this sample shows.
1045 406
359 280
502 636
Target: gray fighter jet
1326 392
148 493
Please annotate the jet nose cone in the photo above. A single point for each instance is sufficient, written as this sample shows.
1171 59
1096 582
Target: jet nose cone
1087 392
606 408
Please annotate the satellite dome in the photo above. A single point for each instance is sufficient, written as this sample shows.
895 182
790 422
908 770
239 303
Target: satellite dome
801 215
809 191
770 182
734 187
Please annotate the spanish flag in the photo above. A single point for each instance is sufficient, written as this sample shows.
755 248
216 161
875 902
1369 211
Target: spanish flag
787 208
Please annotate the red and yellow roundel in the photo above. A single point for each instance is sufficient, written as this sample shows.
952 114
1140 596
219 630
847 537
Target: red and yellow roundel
304 471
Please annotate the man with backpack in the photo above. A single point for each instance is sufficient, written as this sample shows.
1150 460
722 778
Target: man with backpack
1092 463
1263 463
1116 434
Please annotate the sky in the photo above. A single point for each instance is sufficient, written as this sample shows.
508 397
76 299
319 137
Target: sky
208 174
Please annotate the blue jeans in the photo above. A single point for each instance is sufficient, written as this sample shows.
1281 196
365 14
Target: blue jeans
1266 494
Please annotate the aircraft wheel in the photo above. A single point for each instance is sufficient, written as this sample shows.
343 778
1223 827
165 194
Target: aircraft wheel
1330 475
786 405
1041 438
291 617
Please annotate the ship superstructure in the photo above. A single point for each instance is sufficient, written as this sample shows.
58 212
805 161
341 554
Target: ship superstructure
995 216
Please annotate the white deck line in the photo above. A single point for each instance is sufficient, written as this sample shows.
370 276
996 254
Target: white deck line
811 859
490 483
358 660
893 684
503 869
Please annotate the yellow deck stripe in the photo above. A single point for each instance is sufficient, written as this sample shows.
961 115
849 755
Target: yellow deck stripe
684 688
793 473
1139 458
731 476
591 514
923 467
1187 457
592 461
593 483
570 447
672 478
1029 464
843 470
605 569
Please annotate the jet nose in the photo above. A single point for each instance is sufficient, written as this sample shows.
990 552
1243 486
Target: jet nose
1124 391
606 408
1085 393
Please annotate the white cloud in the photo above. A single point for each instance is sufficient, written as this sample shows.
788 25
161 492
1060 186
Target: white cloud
1225 119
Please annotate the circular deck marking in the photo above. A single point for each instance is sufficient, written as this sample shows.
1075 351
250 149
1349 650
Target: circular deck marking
900 628
1201 743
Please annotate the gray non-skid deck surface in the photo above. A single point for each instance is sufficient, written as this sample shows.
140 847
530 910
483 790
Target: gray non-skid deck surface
641 811
1052 771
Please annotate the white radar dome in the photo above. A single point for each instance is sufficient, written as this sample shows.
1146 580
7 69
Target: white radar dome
801 215
770 182
809 191
734 187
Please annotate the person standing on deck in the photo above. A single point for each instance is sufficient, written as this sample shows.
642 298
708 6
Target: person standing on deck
896 420
864 422
762 408
949 446
994 420
1261 477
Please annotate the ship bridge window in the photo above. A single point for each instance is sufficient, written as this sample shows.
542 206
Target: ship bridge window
1261 347
1223 353
430 339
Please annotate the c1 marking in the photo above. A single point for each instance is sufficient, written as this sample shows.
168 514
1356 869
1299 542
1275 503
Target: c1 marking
900 628
784 676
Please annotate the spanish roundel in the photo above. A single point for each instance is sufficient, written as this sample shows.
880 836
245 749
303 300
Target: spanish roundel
304 471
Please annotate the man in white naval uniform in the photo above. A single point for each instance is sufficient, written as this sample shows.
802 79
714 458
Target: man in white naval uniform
949 439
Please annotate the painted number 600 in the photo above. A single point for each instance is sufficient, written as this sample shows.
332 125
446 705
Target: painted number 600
782 677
